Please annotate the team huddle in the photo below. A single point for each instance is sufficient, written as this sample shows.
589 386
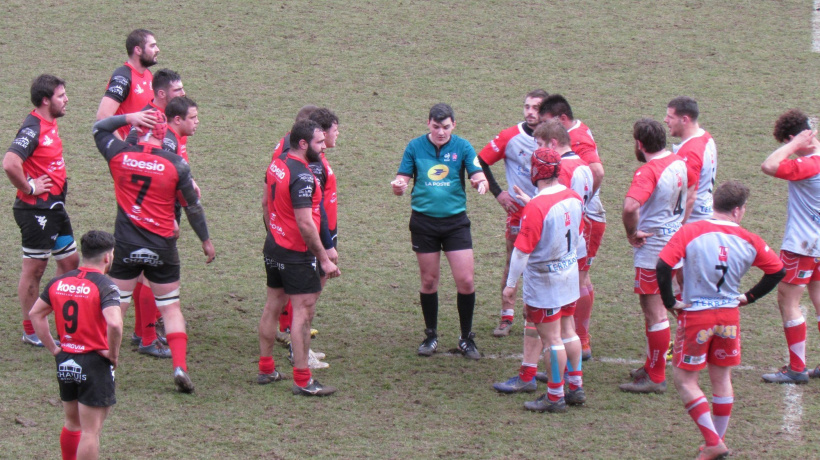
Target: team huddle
690 251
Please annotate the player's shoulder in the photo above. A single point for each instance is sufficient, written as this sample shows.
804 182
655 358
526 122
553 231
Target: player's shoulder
30 126
122 74
512 131
460 142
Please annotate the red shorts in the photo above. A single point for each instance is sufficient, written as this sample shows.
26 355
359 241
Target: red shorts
707 336
546 315
594 234
646 281
800 269
514 223
582 264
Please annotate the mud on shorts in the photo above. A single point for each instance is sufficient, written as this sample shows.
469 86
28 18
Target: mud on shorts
45 233
161 266
87 378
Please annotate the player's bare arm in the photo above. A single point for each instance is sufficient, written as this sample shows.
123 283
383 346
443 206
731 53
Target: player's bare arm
597 176
13 165
630 217
310 235
113 317
39 320
691 196
804 140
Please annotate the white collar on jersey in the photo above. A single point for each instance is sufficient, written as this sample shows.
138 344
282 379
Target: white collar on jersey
665 154
698 133
576 125
723 222
551 189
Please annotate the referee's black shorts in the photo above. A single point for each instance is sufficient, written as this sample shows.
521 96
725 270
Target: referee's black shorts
434 234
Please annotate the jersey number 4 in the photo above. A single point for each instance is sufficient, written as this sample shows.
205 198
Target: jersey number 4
146 182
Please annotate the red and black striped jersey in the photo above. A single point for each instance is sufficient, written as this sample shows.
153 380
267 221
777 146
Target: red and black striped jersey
78 299
39 145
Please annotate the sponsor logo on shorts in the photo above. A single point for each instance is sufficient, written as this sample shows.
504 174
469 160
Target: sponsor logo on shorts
68 288
803 274
438 172
689 359
144 165
42 221
720 353
145 257
70 372
726 332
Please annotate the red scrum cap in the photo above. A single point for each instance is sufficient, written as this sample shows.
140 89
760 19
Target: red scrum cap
546 164
159 129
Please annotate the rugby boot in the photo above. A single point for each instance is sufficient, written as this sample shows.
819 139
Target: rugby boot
576 397
643 385
155 349
543 404
787 375
515 385
430 344
503 329
468 348
264 379
313 388
183 381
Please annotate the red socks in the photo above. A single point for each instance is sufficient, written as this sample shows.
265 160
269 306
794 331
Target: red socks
527 373
27 327
178 342
698 409
721 410
286 318
69 441
583 310
796 340
266 365
146 305
657 341
555 391
301 377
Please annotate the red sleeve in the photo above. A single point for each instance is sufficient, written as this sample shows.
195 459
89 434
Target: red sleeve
766 259
675 249
643 184
277 151
588 151
798 169
694 163
532 224
495 149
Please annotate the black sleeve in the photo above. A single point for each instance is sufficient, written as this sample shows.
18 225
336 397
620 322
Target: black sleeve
495 189
664 273
765 285
27 139
324 229
194 211
120 84
107 143
133 137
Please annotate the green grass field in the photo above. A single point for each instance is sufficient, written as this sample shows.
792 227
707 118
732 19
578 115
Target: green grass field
380 65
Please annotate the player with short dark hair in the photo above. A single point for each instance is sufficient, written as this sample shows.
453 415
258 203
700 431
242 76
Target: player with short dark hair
556 107
698 150
550 268
515 146
35 165
652 213
716 253
800 251
88 319
295 259
130 87
147 180
439 162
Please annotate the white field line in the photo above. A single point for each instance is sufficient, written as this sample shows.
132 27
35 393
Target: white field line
815 27
519 356
793 411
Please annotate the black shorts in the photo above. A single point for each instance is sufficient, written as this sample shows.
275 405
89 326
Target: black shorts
44 231
159 266
294 278
87 378
434 234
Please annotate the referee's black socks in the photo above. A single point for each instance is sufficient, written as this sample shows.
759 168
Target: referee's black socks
429 308
466 306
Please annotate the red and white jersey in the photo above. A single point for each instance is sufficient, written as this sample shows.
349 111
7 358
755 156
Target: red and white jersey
716 254
660 187
515 146
803 222
582 143
575 174
700 154
550 231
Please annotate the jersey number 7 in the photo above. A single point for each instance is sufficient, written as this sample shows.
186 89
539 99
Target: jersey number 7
146 182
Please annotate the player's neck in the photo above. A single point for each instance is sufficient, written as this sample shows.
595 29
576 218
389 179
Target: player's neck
689 131
44 113
568 122
301 154
89 264
562 149
547 183
134 61
651 156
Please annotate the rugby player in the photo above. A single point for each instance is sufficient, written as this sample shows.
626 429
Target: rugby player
582 143
550 269
146 182
130 87
515 146
35 166
716 253
800 251
86 311
653 212
438 162
295 260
